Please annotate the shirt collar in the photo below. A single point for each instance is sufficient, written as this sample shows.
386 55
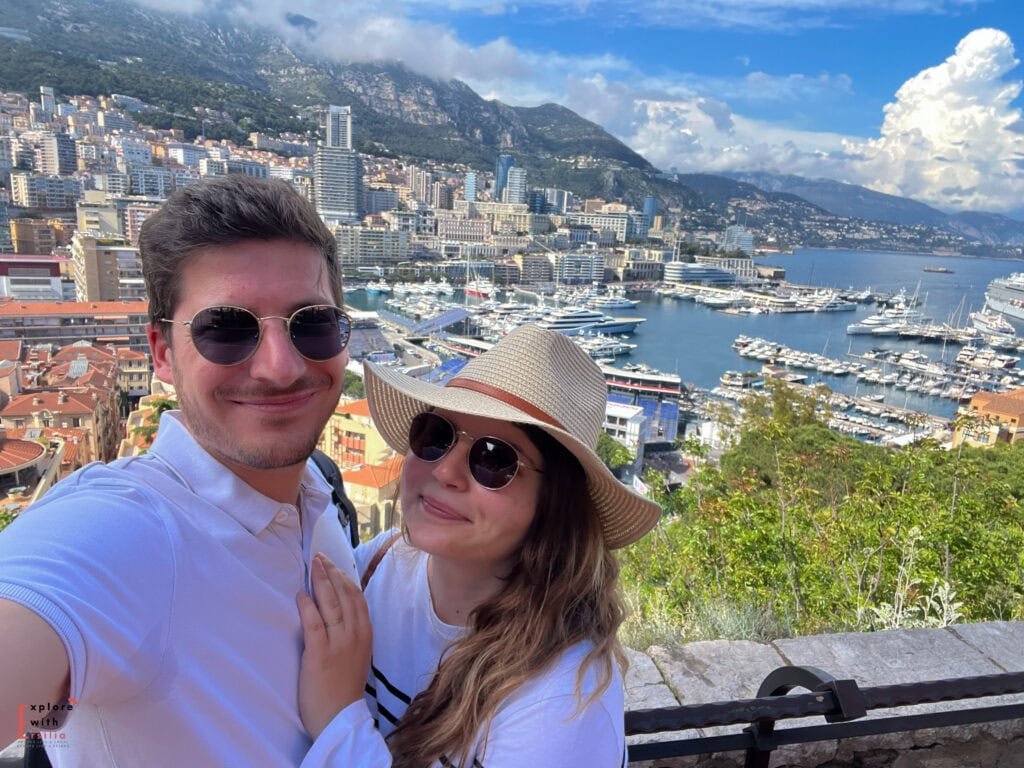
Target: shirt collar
215 483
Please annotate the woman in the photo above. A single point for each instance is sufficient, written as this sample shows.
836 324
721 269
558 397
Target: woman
495 618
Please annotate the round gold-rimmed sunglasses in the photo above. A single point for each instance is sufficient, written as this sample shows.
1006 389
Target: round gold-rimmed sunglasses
493 463
230 335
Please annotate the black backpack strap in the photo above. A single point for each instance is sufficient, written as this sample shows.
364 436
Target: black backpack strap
346 509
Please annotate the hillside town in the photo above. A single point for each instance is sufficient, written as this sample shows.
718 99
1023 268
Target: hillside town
83 173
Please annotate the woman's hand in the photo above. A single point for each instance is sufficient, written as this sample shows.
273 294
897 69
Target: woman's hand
338 636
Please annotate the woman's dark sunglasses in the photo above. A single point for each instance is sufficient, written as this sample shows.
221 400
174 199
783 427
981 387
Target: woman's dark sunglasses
230 335
493 463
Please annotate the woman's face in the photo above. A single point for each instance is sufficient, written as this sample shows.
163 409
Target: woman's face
450 515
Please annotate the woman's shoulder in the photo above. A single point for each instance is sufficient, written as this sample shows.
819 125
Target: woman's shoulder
562 678
383 553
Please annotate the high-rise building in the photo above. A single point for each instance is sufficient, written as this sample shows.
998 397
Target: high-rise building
30 190
150 180
107 268
337 184
441 195
47 101
558 200
650 209
738 238
469 193
337 171
501 168
536 202
515 187
55 155
338 127
35 236
419 183
371 246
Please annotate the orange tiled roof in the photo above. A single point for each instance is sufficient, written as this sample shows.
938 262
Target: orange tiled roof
28 404
40 354
70 454
61 308
375 475
70 434
101 375
11 349
126 353
355 408
90 352
72 437
1006 404
14 454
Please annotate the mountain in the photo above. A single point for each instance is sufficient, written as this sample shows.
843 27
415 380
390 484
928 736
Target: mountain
206 73
863 203
250 80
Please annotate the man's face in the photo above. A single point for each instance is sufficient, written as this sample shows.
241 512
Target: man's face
268 411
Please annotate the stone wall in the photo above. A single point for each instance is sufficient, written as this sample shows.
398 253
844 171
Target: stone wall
723 670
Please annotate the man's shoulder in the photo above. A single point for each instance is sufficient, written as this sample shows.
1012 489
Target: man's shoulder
115 487
126 473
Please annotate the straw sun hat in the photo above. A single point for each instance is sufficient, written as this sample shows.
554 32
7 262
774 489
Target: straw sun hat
532 376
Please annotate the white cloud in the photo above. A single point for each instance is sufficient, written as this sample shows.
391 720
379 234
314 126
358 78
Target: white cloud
952 136
700 135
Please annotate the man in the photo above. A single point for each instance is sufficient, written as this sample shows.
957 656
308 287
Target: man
148 606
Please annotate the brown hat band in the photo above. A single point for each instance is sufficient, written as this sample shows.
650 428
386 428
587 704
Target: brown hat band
506 397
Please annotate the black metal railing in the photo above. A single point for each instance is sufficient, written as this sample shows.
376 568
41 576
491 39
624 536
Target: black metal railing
842 703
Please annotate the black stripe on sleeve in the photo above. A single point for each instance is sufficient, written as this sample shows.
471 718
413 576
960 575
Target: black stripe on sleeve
392 689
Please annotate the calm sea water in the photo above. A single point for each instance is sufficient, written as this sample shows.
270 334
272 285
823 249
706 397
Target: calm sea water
695 342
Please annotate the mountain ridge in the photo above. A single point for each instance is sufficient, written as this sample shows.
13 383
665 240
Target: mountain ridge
854 201
259 81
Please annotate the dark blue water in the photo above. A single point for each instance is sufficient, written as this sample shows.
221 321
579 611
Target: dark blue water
695 342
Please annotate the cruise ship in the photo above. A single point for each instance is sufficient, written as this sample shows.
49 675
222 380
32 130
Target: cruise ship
1006 296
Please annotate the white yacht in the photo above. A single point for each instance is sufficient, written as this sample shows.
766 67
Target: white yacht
835 304
600 346
482 289
989 322
378 286
613 300
573 319
888 321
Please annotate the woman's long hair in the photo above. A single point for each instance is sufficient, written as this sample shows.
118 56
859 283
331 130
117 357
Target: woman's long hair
561 591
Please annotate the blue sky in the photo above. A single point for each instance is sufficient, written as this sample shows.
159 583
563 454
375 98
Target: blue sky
914 97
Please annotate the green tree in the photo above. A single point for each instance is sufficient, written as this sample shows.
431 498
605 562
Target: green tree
147 430
353 386
612 452
802 530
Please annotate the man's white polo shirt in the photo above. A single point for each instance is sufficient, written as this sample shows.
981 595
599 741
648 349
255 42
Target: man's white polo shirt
172 584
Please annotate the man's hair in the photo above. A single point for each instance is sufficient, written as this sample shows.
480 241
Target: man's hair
225 210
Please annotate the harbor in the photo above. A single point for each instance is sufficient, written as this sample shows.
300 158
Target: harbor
929 365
